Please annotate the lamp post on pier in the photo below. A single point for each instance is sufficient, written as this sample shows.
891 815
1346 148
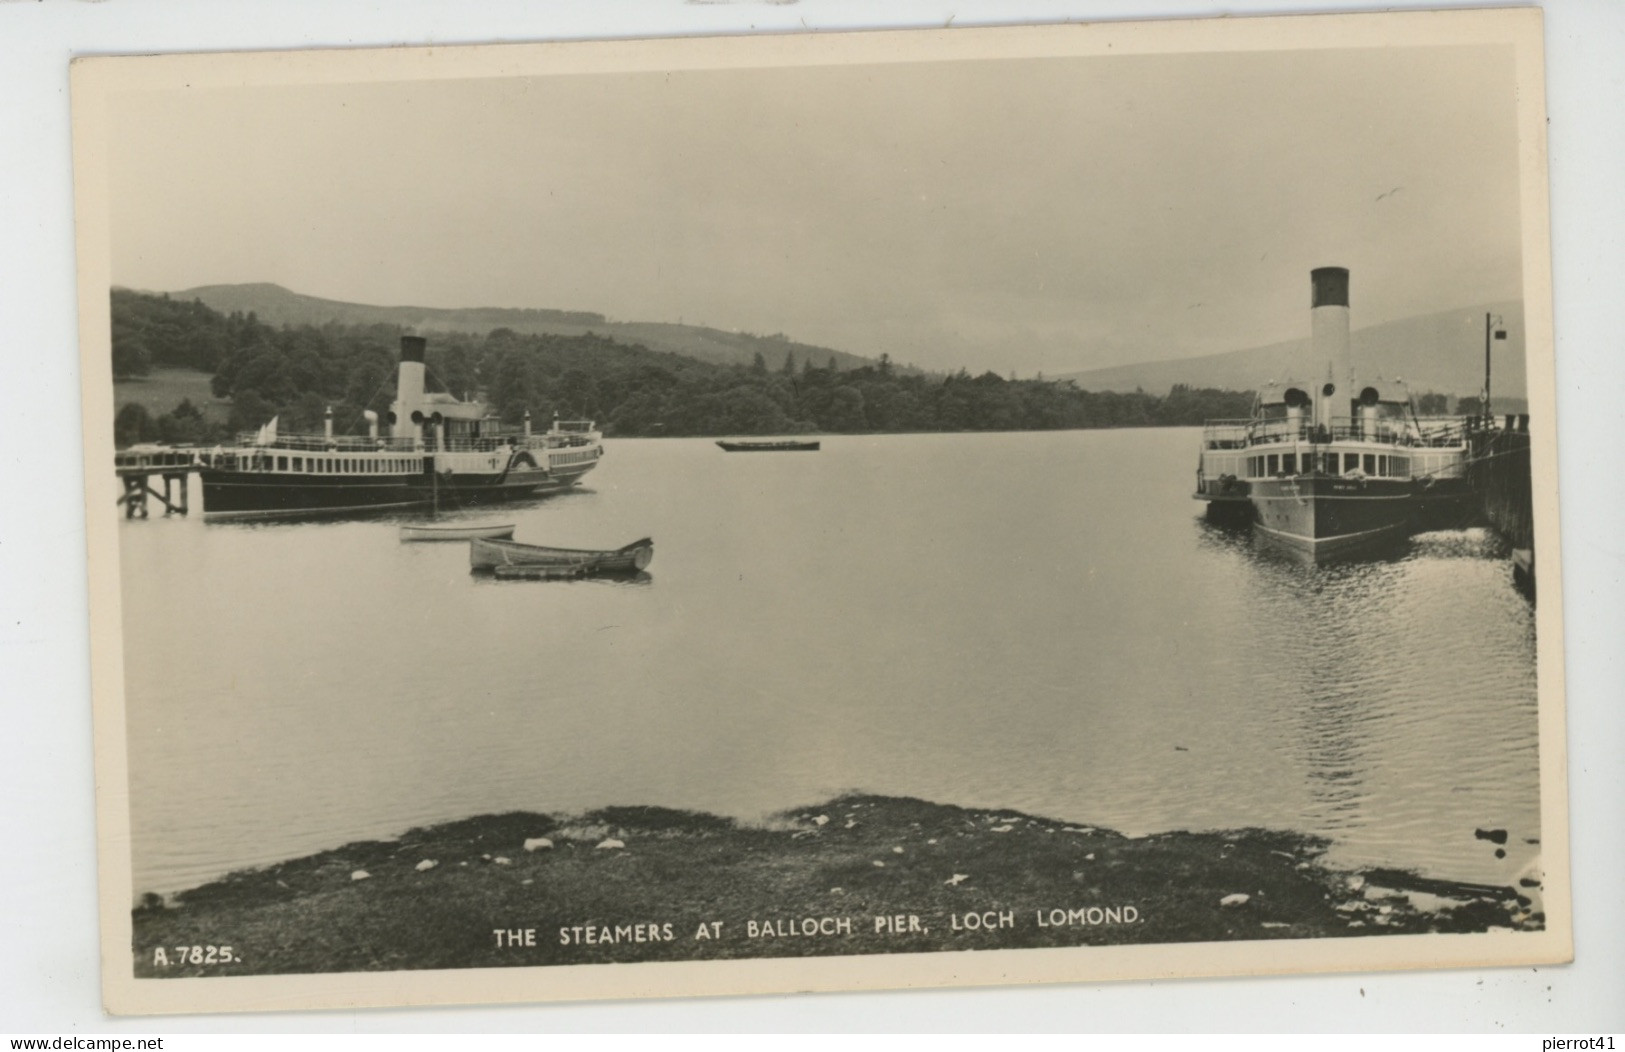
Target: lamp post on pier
1492 328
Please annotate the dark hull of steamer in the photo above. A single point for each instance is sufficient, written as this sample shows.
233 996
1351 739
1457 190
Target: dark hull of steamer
471 490
1325 517
260 494
1446 504
1228 504
229 494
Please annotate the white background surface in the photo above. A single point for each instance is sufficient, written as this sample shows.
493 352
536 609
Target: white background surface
49 954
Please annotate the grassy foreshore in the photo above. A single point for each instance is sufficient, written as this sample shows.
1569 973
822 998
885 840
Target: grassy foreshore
860 874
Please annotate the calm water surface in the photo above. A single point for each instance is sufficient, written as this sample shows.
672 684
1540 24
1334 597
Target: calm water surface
1033 621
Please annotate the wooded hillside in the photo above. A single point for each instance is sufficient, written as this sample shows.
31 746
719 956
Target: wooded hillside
295 372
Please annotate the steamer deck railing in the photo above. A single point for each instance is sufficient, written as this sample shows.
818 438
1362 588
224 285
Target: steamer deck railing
1436 432
1234 452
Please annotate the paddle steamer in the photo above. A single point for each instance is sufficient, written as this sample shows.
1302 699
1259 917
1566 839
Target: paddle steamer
1335 467
440 451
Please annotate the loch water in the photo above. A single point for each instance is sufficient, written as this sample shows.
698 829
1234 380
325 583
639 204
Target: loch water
1038 621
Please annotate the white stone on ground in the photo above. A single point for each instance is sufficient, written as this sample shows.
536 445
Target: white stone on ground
1237 899
538 843
360 874
610 844
426 865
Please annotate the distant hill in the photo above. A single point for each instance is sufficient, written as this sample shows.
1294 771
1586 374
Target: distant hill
275 305
1441 352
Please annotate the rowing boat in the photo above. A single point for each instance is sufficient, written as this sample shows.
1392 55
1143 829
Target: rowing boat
753 446
488 554
457 533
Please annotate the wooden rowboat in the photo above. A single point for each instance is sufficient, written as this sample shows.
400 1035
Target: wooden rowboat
484 554
456 533
756 446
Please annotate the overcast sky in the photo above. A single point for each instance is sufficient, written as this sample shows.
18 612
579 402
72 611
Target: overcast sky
1018 215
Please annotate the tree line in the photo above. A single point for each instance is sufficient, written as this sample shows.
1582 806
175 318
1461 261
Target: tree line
296 372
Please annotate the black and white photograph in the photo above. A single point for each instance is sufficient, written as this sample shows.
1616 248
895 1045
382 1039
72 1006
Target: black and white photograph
818 512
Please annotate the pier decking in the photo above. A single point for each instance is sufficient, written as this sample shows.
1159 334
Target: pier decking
137 467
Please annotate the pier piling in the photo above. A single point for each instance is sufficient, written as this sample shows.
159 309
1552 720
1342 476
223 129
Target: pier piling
137 469
1498 469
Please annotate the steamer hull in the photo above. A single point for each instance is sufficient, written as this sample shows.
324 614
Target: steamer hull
249 492
460 485
1446 504
473 490
1329 518
229 494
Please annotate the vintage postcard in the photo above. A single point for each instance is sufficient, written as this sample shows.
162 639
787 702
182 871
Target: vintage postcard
888 509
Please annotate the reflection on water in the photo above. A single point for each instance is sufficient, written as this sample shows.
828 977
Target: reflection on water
990 620
1414 674
638 579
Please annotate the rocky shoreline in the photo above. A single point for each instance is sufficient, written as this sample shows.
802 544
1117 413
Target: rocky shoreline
858 875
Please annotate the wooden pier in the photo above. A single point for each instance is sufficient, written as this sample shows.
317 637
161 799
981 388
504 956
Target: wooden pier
1498 469
138 468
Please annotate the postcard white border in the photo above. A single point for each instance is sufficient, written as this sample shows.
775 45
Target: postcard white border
93 79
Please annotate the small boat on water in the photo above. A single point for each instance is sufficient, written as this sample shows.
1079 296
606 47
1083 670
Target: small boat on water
452 532
757 446
488 554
